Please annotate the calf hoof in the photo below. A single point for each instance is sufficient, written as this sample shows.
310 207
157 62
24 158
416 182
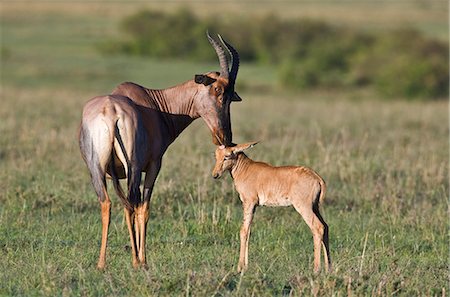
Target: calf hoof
101 266
241 268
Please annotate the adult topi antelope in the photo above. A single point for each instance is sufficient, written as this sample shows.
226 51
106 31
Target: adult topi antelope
262 184
126 133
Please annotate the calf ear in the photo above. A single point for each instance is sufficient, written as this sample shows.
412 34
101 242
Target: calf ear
240 147
204 79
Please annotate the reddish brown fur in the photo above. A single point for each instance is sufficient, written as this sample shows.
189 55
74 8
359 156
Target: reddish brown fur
126 133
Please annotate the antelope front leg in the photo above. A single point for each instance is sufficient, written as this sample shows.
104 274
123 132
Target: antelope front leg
143 209
129 217
137 233
106 213
245 236
142 220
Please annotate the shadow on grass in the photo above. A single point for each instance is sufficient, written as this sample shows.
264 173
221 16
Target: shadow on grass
231 283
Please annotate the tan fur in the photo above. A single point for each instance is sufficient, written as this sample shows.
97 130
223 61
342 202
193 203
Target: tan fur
259 183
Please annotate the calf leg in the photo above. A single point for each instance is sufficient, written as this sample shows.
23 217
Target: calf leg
317 229
325 241
245 236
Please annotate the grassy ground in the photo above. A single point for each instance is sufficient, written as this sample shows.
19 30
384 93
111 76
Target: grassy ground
385 163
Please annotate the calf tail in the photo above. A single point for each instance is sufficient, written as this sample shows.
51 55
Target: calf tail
323 190
320 195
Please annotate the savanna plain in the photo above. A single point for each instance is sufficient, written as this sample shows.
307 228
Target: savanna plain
385 163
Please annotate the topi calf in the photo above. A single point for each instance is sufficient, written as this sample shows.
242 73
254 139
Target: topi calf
259 183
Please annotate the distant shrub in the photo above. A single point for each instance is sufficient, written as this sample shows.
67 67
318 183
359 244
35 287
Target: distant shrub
410 76
327 62
181 34
310 53
398 64
276 39
404 63
158 34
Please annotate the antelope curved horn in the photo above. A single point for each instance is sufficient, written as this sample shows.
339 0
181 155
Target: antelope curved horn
221 54
234 58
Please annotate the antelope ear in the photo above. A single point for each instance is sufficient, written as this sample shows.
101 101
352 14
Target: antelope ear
241 147
203 79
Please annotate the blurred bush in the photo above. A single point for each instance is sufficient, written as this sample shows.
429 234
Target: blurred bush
401 63
308 53
151 33
5 53
409 65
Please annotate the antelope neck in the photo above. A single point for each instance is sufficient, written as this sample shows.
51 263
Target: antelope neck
176 105
178 100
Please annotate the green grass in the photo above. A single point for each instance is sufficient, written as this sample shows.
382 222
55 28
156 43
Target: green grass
385 163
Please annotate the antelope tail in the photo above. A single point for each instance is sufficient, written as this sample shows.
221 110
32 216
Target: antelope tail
117 187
